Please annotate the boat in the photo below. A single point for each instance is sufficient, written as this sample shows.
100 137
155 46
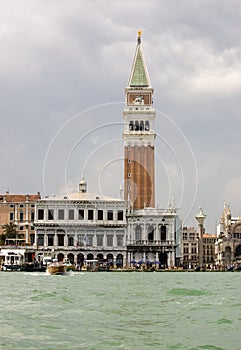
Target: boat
11 259
56 268
32 267
69 265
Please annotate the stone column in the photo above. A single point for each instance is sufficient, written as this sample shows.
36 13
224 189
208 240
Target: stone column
65 240
55 239
35 237
200 217
75 239
45 239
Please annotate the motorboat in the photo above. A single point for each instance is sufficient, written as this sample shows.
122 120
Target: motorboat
69 265
56 268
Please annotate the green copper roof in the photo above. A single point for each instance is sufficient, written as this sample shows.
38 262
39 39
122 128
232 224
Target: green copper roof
139 75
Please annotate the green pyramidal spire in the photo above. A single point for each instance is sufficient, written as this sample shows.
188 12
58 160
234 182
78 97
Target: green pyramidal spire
139 74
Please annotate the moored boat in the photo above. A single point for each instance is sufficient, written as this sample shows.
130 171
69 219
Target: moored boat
56 268
32 267
11 259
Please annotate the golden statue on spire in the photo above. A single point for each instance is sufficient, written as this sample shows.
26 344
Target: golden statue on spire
139 36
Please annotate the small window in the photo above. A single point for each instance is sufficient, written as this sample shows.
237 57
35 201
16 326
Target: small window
119 241
141 125
32 205
129 188
120 215
21 205
21 216
11 216
129 148
89 240
32 216
110 215
147 125
71 214
32 239
50 240
60 239
61 214
110 241
131 126
40 239
70 241
32 228
136 125
129 161
81 214
21 228
163 233
11 206
50 214
129 174
99 240
40 214
100 214
90 214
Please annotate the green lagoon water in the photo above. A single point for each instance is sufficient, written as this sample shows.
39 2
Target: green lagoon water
168 310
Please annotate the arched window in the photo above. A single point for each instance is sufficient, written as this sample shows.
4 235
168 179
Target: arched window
131 125
237 251
136 125
147 125
138 233
141 125
163 231
150 233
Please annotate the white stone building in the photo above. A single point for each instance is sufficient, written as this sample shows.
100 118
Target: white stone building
81 226
154 236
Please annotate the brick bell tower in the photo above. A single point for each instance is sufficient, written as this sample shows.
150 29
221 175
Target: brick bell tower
139 135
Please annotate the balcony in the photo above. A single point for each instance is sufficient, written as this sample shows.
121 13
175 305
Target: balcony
154 244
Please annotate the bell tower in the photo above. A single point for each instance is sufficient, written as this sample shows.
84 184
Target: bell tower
139 135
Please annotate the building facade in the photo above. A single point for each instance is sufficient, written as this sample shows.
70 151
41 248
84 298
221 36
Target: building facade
81 226
189 247
228 244
209 249
19 210
192 245
153 237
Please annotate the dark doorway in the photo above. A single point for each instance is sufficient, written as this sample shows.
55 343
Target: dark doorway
163 259
119 261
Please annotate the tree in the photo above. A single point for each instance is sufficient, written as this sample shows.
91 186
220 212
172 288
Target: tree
10 231
2 238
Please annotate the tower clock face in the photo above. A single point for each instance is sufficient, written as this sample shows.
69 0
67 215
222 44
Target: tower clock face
139 99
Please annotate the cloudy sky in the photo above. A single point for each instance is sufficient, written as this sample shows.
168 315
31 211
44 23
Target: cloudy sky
64 66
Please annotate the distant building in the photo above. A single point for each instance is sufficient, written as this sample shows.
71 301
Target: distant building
191 244
81 226
228 245
189 247
153 237
19 209
209 248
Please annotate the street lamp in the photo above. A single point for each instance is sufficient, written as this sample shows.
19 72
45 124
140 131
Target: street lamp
200 217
